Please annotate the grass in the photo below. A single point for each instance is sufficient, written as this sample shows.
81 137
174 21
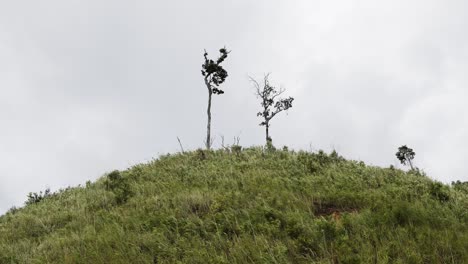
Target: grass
249 206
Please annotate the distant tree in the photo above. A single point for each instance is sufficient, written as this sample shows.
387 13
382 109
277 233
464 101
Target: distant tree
461 186
214 75
34 198
405 155
271 104
459 183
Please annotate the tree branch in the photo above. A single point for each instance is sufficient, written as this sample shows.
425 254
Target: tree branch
256 86
278 93
180 144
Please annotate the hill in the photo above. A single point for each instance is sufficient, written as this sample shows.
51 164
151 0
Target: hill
244 206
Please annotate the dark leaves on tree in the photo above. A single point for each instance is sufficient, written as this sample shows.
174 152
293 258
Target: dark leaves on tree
284 104
213 72
217 91
405 155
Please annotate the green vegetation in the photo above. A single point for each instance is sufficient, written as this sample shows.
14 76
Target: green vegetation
244 206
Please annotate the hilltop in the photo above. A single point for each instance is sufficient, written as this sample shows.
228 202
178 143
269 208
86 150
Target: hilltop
244 206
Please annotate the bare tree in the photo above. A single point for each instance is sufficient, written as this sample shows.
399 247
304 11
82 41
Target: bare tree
214 75
271 104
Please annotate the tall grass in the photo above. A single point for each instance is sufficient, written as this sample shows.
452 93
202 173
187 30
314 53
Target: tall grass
251 206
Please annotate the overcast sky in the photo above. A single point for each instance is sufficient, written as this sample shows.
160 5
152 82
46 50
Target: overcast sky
89 86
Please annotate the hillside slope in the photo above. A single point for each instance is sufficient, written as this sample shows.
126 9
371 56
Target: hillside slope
244 207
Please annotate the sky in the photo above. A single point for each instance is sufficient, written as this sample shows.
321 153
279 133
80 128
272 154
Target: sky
89 86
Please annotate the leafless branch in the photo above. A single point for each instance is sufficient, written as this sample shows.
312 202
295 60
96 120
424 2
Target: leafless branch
222 144
256 86
278 93
236 140
180 144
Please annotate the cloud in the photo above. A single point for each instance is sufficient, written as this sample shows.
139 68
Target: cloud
92 86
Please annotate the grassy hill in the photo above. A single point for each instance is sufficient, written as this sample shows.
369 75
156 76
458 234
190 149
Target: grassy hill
246 206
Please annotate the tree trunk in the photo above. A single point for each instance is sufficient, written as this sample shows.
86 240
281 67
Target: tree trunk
208 127
411 164
267 133
409 161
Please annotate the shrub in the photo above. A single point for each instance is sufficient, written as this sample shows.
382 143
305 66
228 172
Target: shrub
13 210
269 146
119 186
439 192
201 155
460 186
34 198
236 149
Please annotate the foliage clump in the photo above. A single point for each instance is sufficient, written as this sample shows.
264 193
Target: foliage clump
460 186
34 197
439 192
213 72
119 185
405 155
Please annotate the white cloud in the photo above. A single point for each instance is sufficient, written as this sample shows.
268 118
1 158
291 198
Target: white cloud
91 86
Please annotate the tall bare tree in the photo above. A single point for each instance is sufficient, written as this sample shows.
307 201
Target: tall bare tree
214 75
271 104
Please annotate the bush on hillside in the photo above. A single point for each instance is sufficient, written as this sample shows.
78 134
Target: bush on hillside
439 192
315 162
236 149
34 198
13 210
119 185
460 186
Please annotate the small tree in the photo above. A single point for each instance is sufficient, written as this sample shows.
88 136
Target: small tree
405 155
271 104
34 198
214 75
119 185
